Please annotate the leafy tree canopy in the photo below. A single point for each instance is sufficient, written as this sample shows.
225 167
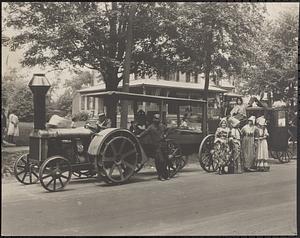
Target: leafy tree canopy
275 65
14 91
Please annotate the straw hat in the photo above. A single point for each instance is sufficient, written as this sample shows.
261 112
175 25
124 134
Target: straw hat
156 117
101 114
233 121
223 120
261 121
252 118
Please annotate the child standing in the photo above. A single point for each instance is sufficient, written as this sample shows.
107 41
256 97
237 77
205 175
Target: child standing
262 145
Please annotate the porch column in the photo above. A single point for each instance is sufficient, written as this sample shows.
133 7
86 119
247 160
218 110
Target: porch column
79 104
100 105
96 105
135 108
167 105
144 103
161 110
85 103
189 97
178 115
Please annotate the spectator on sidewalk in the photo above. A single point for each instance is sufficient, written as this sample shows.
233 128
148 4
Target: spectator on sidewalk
13 127
3 125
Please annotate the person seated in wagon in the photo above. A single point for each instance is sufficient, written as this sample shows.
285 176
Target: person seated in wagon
102 123
183 123
239 110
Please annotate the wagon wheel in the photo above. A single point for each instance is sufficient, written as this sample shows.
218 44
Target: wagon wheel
118 160
55 173
25 171
139 166
175 159
205 154
276 154
84 173
183 162
282 156
292 142
286 157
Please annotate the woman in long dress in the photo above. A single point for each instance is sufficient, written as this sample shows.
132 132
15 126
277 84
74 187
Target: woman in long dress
262 145
235 145
221 147
248 133
13 127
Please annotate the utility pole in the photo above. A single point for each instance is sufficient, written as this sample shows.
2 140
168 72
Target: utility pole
129 39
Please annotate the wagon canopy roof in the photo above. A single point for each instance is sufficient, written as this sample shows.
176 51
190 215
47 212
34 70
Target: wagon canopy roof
144 98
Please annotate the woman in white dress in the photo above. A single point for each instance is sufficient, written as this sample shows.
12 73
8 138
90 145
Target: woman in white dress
13 127
262 146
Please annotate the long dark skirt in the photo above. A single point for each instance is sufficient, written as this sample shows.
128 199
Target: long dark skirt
236 157
221 154
248 152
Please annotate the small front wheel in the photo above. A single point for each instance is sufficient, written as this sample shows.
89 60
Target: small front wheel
25 171
174 158
55 173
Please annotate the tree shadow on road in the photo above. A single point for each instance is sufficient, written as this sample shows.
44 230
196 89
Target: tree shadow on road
83 180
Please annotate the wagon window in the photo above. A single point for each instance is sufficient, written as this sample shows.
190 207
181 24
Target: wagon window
280 119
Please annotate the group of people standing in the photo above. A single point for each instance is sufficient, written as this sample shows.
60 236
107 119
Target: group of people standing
241 150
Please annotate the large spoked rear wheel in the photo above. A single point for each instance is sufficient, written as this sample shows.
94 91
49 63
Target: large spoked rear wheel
25 171
175 158
282 156
118 159
55 173
205 154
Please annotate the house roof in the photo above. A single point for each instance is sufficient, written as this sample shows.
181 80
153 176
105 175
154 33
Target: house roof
145 98
158 84
226 84
230 94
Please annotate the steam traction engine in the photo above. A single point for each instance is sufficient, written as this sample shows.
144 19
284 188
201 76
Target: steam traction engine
55 154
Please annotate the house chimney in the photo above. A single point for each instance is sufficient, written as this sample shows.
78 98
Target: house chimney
39 86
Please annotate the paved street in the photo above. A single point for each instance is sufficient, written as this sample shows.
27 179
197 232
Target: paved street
193 203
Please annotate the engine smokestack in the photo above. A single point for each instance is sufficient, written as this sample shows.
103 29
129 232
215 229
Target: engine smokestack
39 86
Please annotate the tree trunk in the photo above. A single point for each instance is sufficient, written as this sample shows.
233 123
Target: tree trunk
111 82
205 97
207 70
127 63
